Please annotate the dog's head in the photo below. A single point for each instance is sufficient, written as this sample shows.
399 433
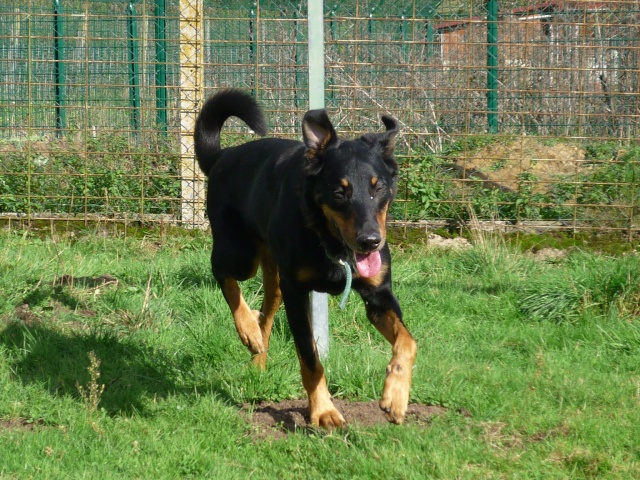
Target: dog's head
353 183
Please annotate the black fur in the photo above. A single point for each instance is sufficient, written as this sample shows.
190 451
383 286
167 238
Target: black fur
300 207
215 112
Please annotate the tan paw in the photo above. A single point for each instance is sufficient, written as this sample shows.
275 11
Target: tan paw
260 360
395 395
249 332
329 418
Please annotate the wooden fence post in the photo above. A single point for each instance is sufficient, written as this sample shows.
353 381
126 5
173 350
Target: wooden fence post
191 92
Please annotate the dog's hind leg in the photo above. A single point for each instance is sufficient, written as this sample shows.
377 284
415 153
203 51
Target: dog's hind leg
321 409
270 304
247 321
233 259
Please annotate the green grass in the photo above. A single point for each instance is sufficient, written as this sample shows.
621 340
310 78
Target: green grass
548 394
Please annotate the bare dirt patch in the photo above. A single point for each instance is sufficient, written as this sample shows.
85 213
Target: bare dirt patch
24 314
550 254
501 165
276 419
457 243
19 424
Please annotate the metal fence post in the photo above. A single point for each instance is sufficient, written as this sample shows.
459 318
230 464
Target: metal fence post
191 83
58 55
134 68
253 43
319 301
492 66
161 65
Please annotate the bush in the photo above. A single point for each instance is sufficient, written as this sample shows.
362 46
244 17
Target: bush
106 176
605 195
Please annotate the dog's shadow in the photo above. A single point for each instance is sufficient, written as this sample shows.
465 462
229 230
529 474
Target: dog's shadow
55 355
131 373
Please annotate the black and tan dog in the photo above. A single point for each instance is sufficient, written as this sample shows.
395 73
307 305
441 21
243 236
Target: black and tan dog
297 210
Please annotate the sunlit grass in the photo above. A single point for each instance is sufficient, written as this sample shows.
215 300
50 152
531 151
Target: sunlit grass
536 362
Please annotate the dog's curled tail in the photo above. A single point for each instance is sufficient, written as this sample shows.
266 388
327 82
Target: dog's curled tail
224 104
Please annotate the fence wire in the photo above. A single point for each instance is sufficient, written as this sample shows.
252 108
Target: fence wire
522 113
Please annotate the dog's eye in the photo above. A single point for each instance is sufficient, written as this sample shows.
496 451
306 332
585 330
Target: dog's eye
340 194
378 189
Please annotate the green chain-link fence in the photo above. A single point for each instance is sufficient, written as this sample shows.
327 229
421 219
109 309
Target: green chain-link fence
518 111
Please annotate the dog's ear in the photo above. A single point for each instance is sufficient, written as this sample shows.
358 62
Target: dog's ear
388 138
318 132
386 141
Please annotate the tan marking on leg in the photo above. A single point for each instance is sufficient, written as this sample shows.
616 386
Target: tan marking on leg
270 304
246 320
321 409
397 385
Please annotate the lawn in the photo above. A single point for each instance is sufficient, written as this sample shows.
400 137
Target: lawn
119 359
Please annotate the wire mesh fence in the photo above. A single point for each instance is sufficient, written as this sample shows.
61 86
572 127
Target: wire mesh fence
518 112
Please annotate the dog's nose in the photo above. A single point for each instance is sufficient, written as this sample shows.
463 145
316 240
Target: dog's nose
369 241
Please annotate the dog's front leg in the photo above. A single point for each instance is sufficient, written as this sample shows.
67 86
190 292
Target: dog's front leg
321 409
385 314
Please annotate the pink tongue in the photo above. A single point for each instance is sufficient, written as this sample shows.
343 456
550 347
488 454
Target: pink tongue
369 264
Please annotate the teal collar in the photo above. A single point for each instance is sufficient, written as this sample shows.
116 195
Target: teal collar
347 287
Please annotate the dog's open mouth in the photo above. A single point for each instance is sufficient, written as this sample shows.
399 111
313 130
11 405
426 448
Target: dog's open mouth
368 264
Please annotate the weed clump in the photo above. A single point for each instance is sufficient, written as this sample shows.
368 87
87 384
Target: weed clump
92 392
